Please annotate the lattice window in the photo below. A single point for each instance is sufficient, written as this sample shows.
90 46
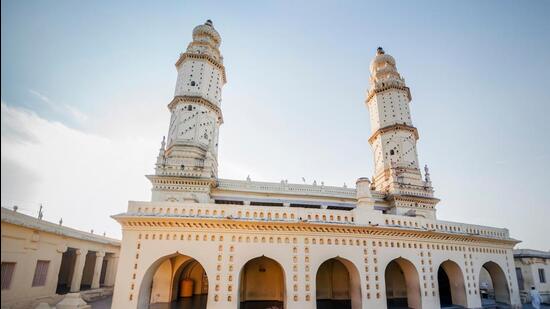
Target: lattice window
40 273
8 269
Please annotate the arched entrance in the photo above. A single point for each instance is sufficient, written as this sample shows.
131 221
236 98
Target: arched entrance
452 290
175 281
493 286
262 284
402 285
338 285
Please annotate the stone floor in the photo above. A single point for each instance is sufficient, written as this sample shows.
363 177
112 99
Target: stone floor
106 304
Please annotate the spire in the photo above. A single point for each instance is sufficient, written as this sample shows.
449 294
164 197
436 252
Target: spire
380 51
427 174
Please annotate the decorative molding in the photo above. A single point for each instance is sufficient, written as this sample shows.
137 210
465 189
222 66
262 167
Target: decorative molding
388 86
166 223
394 127
197 100
208 58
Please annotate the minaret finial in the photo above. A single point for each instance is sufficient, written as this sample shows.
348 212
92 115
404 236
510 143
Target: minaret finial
209 23
380 51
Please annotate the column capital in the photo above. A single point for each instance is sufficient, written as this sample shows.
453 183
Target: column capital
81 251
100 253
61 248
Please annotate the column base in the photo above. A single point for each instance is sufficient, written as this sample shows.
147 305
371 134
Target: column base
73 301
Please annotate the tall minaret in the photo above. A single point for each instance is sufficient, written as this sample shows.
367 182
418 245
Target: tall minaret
191 147
393 139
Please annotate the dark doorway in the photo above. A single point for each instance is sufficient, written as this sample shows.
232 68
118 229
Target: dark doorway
66 270
445 297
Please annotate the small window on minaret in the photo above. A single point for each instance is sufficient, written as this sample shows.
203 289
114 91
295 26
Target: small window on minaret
192 83
189 107
392 152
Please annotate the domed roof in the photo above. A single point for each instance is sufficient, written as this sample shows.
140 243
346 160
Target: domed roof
208 29
381 60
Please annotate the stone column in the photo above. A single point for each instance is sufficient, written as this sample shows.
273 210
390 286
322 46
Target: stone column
97 269
111 270
78 269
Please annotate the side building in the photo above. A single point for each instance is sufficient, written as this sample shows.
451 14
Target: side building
41 261
532 270
206 242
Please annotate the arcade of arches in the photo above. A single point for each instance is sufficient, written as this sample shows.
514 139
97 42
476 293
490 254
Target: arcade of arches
179 281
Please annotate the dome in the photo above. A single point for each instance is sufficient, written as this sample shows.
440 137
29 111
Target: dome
381 60
208 29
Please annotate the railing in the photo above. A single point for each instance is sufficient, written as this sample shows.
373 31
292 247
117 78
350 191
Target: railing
284 187
241 212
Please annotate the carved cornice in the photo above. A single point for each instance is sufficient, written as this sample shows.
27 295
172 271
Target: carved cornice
166 223
413 198
394 127
197 100
376 90
181 181
203 57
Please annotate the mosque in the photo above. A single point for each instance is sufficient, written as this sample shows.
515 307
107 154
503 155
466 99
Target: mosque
206 242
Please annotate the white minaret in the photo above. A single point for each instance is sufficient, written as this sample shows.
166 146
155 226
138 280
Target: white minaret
393 139
191 147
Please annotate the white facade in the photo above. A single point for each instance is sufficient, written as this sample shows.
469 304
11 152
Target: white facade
236 243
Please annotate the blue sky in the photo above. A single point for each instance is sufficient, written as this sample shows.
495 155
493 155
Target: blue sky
85 86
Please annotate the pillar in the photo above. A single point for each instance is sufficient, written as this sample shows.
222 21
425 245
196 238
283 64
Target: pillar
111 270
97 269
78 269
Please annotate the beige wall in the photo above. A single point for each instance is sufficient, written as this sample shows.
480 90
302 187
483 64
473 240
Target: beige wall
25 246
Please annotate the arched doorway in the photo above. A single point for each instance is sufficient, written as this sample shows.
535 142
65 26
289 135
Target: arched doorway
262 284
493 286
452 290
402 285
177 281
338 285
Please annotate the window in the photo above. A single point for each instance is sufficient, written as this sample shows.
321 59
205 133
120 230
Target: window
40 273
392 152
542 276
7 273
520 278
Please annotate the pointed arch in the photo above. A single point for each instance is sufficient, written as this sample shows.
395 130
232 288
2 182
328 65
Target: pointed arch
159 279
451 286
338 284
402 284
496 286
262 282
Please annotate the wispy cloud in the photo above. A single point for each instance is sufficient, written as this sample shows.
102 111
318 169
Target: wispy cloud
64 169
63 109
